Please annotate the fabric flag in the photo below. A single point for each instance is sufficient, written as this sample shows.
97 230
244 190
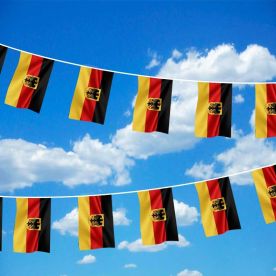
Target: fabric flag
265 114
214 110
157 216
32 225
153 104
29 82
3 52
1 213
217 206
265 183
91 95
96 228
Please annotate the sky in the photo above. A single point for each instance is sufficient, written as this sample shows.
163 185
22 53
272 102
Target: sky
49 154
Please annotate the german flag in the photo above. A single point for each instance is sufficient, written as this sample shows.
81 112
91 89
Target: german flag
91 95
3 52
157 216
153 105
217 206
32 225
265 183
29 82
96 228
1 214
265 114
214 110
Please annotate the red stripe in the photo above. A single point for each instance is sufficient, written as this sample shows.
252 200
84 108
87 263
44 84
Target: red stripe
220 216
271 119
26 92
214 120
152 115
270 179
90 105
96 233
33 235
159 227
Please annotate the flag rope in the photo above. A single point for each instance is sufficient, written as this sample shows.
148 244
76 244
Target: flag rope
138 75
143 190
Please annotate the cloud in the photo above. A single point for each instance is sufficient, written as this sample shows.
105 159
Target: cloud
222 63
69 223
176 54
88 259
137 246
130 266
23 163
187 272
185 215
155 59
238 99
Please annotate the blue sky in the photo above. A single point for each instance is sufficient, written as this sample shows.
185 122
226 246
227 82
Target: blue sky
48 154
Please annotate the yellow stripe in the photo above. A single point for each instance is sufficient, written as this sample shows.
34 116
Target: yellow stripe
261 187
146 224
16 84
260 112
79 94
84 226
140 109
20 230
201 118
207 216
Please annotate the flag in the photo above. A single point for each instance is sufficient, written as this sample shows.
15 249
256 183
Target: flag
217 206
214 110
3 52
96 228
152 106
91 95
32 225
265 114
265 183
157 216
1 214
29 82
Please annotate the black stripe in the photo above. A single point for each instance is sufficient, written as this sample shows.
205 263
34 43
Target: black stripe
164 114
44 234
171 228
3 52
108 229
1 217
274 167
39 93
226 117
101 106
231 211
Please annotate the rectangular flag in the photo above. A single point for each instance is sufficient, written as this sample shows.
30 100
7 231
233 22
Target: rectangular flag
217 206
157 216
265 110
1 217
265 183
32 225
96 229
29 82
3 52
153 105
91 95
214 110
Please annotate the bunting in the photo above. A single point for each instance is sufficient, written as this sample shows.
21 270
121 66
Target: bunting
152 106
29 82
3 52
217 206
32 225
265 183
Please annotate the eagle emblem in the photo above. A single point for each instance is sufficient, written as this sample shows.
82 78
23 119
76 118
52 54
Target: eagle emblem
218 204
215 108
97 220
158 214
154 104
34 224
93 93
31 81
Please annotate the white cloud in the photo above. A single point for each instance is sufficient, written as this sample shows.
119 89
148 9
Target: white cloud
23 163
176 54
69 223
238 99
88 259
137 246
185 215
130 266
223 63
155 59
187 272
201 171
274 269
